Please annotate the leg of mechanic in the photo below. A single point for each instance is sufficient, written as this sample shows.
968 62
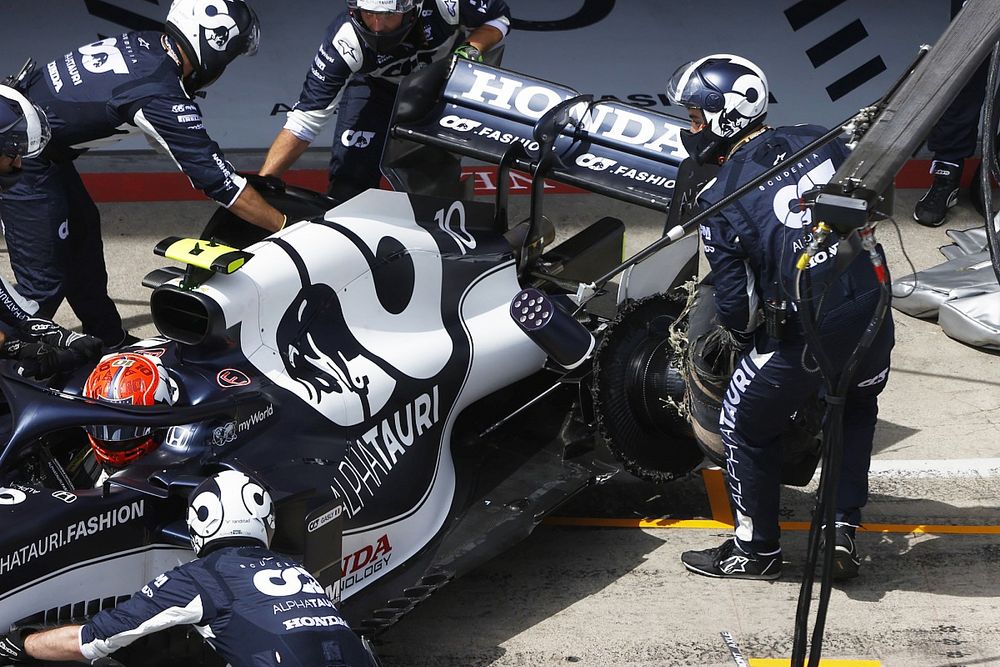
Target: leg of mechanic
35 215
86 289
952 140
765 390
360 136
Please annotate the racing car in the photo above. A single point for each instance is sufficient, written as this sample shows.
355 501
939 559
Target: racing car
418 379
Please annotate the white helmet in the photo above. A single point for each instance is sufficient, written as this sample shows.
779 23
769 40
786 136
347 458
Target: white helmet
24 127
730 90
212 33
229 506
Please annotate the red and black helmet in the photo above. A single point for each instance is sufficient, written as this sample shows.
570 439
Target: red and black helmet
127 379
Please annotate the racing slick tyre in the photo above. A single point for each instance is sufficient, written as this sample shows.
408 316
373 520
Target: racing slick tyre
638 389
707 371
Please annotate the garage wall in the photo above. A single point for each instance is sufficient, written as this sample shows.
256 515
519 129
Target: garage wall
824 58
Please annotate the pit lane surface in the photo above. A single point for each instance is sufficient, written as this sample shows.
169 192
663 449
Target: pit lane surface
619 596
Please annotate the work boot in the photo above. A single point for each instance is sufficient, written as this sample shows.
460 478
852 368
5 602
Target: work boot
730 562
932 208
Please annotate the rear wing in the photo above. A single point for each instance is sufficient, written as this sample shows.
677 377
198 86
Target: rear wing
475 110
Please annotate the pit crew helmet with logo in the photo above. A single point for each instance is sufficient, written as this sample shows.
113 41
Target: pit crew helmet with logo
383 41
133 380
229 508
212 33
24 127
731 92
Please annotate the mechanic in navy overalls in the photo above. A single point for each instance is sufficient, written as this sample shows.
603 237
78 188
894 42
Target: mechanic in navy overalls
752 246
100 93
41 346
255 607
366 52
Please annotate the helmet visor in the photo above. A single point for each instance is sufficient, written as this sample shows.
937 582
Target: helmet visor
117 432
253 40
686 88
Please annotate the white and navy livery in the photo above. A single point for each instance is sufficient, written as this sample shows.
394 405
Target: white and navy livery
363 359
97 94
254 607
752 247
350 78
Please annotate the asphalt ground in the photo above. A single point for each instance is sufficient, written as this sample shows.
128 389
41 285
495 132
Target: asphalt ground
603 585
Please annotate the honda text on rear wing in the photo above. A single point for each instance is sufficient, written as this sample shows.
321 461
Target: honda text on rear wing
479 111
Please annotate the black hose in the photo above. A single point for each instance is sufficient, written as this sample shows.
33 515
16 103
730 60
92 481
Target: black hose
824 514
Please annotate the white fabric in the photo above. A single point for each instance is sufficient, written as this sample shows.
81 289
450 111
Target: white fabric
102 648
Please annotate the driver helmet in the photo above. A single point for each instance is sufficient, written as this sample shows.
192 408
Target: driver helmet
127 379
382 41
731 92
229 508
212 34
24 127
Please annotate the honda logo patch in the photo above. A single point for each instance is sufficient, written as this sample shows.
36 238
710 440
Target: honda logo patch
230 377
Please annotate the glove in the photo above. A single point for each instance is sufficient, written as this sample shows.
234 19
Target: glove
38 360
469 52
12 649
741 340
50 333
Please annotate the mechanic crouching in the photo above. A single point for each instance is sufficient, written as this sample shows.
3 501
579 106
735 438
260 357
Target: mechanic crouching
229 594
752 247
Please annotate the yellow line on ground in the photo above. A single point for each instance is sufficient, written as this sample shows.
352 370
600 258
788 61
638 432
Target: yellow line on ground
708 524
785 662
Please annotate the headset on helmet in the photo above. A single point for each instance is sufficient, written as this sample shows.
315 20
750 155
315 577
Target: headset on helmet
24 128
229 508
133 380
382 41
731 92
212 33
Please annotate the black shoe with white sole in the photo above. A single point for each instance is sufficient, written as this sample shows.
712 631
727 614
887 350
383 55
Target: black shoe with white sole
730 562
846 561
932 208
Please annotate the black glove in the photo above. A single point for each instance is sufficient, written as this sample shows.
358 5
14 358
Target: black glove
12 649
38 360
50 333
741 340
469 52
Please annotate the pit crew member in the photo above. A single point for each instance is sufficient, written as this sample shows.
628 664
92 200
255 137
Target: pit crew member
41 346
99 93
255 607
752 246
366 52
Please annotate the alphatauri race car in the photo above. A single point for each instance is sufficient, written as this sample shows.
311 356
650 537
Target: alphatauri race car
419 380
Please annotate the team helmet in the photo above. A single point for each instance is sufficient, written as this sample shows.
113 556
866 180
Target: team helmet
229 507
731 91
212 33
24 127
127 379
382 42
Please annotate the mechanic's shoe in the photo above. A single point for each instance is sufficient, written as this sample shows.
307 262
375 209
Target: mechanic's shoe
932 208
730 562
846 561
